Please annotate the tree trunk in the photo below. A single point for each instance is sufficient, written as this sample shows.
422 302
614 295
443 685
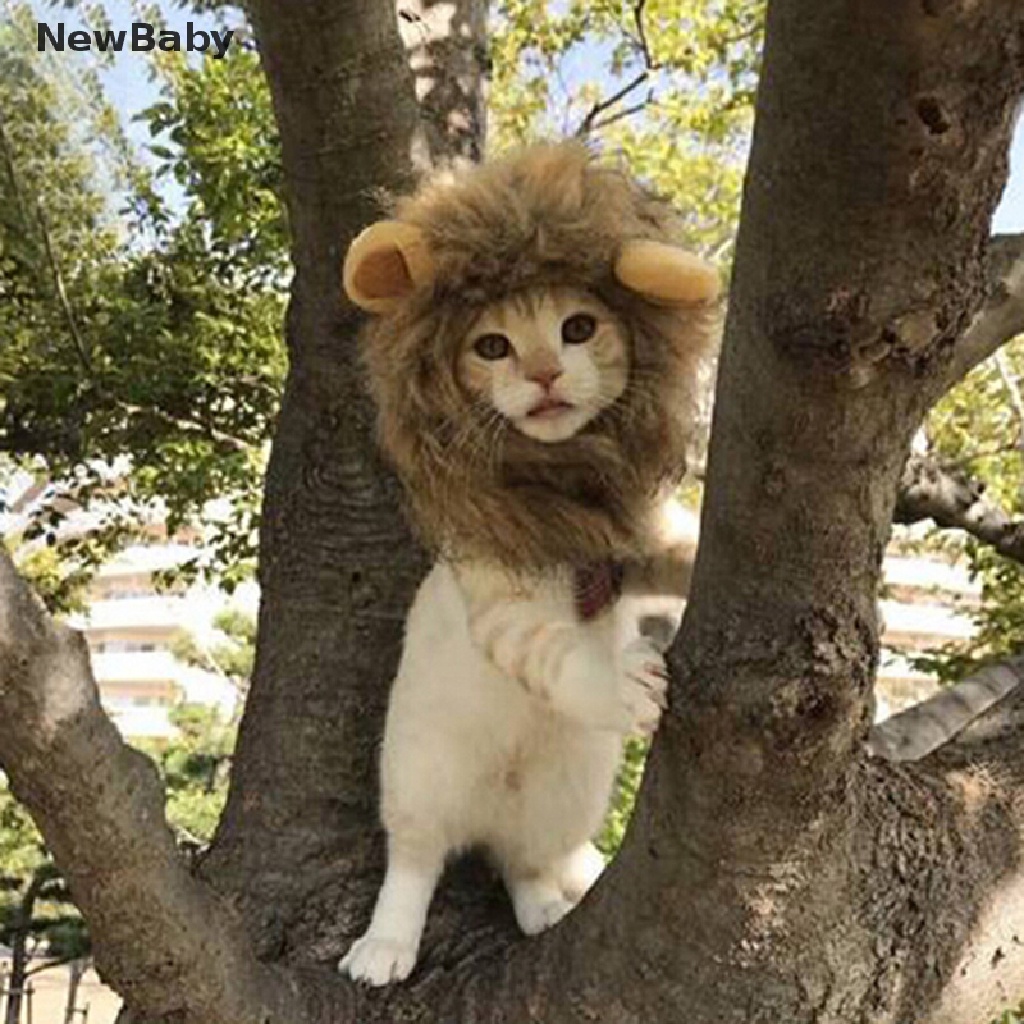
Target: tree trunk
338 566
774 871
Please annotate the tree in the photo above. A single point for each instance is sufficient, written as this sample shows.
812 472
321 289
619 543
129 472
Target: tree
773 871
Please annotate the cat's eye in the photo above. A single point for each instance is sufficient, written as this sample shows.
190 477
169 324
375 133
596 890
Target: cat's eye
578 328
492 346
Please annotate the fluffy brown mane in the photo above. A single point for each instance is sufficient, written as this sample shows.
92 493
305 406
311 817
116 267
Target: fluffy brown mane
541 216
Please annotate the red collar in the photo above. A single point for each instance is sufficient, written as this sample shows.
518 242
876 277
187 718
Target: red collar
596 587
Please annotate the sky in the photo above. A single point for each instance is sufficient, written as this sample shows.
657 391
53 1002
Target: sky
1010 215
130 91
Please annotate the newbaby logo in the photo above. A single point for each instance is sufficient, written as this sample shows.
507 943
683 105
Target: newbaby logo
142 36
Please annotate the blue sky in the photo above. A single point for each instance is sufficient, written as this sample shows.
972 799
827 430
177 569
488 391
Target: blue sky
131 91
1010 215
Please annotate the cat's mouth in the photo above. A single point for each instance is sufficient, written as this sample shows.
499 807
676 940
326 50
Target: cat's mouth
549 408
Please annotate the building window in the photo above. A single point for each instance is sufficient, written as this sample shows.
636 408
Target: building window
125 647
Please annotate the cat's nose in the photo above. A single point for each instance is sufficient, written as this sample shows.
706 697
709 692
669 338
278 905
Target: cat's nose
545 376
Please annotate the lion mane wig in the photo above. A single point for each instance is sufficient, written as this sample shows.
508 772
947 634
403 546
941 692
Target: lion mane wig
542 216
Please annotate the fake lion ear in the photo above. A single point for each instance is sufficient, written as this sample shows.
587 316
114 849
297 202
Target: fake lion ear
666 273
386 263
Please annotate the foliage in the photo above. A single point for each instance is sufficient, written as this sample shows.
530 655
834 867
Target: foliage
627 785
1011 1016
233 657
979 426
153 331
998 619
194 766
668 84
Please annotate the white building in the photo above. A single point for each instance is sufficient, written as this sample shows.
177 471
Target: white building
132 630
926 604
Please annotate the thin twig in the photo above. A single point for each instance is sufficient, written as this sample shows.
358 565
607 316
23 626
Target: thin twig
621 115
588 122
638 18
8 156
591 121
61 291
49 965
188 426
51 257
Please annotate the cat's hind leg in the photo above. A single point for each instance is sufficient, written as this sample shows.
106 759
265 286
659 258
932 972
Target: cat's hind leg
542 898
387 952
538 901
579 871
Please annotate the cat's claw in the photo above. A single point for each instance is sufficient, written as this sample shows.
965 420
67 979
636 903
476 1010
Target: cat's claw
645 684
378 961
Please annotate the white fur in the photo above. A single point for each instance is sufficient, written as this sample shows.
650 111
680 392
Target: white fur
504 730
587 377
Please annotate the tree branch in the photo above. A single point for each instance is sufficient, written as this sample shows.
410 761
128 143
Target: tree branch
62 294
641 33
1001 318
167 943
591 120
925 727
955 500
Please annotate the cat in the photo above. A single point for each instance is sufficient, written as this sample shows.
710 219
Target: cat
532 393
506 719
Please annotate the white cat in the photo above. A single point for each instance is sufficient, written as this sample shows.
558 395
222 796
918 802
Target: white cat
533 351
506 719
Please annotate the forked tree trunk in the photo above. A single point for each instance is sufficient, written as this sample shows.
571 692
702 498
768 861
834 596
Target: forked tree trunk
774 872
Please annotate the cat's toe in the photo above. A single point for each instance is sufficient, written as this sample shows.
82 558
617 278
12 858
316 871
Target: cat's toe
535 917
645 686
378 961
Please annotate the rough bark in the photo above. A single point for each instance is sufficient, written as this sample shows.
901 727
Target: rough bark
775 872
801 865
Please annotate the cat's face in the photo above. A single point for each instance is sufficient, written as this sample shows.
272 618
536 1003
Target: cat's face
548 361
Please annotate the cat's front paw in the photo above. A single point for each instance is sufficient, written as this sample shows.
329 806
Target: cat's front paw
644 685
378 961
590 691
